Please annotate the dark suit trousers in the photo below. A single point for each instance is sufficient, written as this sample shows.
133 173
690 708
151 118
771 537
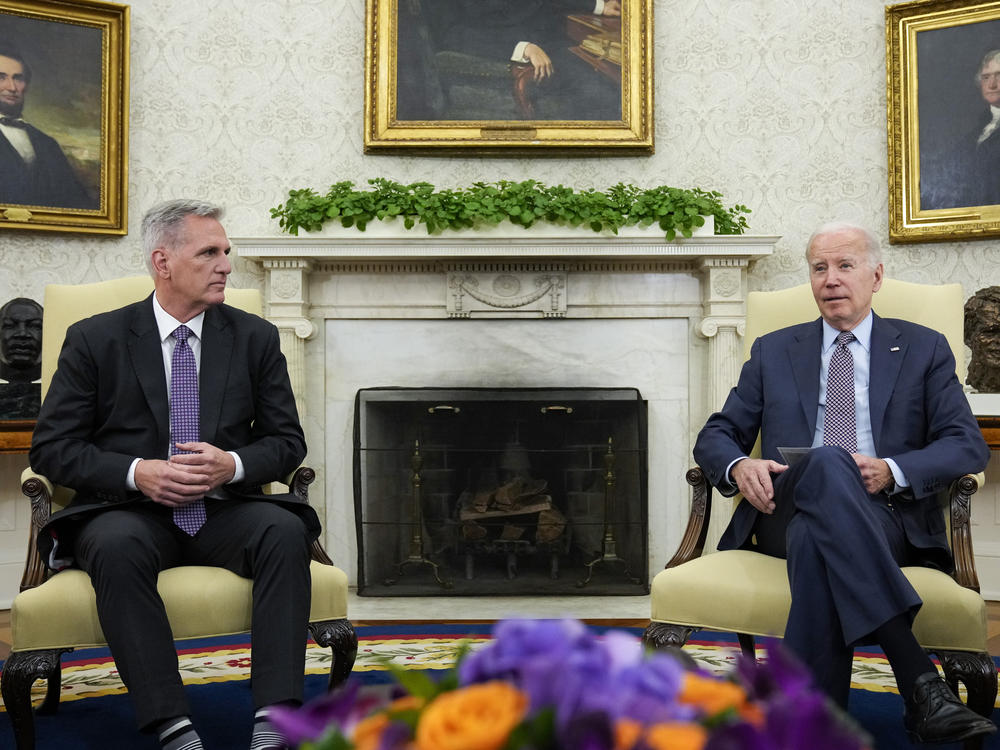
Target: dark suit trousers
124 550
844 549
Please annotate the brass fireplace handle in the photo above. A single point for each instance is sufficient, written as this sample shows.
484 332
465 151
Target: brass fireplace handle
564 409
443 407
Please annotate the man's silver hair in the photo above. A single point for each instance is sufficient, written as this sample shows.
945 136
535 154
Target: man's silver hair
161 226
872 248
993 54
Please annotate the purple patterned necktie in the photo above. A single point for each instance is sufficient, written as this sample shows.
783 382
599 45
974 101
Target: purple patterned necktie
184 419
839 427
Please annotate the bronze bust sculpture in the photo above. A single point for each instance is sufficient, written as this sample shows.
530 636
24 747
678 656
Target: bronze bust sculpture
982 335
20 358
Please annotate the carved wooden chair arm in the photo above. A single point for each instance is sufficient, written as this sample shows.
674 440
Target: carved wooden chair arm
959 499
298 484
39 491
693 542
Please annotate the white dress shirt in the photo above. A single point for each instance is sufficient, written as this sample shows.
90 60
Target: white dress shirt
19 139
166 324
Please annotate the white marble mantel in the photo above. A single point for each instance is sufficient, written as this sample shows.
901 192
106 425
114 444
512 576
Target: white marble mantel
320 287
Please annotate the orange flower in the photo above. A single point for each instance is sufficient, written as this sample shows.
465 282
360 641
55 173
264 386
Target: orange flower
676 736
369 730
627 733
478 717
711 695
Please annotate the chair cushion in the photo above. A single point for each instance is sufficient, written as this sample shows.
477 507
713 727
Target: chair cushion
201 601
737 591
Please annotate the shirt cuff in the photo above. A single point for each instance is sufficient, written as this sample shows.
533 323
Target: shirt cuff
598 7
518 54
130 477
729 480
902 483
240 473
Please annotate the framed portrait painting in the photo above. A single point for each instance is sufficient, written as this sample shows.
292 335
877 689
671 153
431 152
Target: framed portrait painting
63 116
943 74
509 76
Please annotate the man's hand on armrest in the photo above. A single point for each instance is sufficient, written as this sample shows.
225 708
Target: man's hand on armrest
753 477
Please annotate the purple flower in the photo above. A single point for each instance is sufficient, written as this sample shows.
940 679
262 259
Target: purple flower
552 661
740 736
781 673
797 714
395 736
587 731
645 691
340 709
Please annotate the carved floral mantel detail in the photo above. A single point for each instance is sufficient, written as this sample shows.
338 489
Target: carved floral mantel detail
509 293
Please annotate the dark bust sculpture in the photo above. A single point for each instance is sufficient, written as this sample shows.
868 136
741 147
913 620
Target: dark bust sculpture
21 341
20 358
982 335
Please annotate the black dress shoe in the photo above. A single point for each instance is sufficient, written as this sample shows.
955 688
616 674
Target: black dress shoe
935 714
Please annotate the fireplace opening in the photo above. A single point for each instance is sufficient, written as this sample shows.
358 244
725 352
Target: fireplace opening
472 491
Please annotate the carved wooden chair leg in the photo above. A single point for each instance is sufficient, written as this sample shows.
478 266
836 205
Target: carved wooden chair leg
53 690
340 637
977 672
664 635
747 645
20 672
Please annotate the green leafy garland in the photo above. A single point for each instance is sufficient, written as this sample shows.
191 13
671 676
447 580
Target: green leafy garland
674 210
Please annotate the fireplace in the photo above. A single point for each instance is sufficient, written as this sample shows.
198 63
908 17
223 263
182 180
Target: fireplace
500 491
362 309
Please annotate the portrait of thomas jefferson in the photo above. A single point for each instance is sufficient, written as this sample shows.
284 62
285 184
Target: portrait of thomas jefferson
959 116
49 134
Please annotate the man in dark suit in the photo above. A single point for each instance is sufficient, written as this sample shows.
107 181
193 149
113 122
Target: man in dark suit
880 405
166 416
34 168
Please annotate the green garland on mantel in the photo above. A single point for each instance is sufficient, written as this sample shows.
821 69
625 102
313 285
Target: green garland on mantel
484 204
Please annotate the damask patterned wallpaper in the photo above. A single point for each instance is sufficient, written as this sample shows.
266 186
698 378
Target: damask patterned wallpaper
780 105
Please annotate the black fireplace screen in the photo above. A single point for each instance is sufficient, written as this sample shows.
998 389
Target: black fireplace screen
500 491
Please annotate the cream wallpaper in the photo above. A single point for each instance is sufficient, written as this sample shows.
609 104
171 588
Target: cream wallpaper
780 105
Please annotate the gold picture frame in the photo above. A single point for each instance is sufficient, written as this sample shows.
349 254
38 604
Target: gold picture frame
942 152
66 161
439 79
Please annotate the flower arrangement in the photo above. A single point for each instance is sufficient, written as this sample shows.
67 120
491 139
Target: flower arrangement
554 685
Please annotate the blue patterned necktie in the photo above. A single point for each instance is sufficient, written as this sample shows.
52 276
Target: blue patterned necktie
184 410
839 427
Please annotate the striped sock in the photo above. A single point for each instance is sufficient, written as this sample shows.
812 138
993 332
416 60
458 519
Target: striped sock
178 734
265 736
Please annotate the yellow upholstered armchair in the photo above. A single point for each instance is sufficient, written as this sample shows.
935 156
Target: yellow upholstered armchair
747 593
56 613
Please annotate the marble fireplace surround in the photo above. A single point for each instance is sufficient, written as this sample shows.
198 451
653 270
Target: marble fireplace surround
356 310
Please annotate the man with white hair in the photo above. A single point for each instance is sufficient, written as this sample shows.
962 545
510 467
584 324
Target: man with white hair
880 408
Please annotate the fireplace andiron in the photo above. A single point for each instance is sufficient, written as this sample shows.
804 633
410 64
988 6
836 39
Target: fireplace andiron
416 555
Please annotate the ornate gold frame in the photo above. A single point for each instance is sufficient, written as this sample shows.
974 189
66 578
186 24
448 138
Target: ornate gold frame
909 221
384 133
110 215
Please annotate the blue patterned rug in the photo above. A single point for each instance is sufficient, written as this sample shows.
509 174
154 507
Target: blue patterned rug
95 711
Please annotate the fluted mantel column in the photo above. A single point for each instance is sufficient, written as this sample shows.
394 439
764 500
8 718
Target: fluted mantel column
724 325
288 308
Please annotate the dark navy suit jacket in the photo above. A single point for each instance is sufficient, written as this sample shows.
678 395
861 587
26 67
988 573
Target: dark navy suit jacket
107 404
919 414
